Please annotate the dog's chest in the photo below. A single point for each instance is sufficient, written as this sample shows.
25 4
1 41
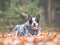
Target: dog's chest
33 32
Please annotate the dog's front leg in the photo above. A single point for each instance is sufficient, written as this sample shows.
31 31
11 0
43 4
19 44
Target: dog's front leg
39 33
26 32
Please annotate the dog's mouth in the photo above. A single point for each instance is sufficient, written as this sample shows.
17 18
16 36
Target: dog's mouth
34 27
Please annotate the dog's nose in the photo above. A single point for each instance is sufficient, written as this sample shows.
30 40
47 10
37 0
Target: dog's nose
34 24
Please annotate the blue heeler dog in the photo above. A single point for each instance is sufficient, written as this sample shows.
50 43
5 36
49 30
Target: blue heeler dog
31 27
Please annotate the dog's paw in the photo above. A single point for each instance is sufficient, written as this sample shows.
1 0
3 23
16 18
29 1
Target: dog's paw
39 34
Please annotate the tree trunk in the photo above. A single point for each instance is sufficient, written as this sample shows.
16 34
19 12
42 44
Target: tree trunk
3 5
49 12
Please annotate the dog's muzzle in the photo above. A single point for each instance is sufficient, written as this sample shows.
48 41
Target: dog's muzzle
34 27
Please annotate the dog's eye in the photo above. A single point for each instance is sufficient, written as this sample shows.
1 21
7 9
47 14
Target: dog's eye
30 21
37 20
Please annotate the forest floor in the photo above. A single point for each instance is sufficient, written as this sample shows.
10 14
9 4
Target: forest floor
48 36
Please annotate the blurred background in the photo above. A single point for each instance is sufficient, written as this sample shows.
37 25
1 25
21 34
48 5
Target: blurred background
14 12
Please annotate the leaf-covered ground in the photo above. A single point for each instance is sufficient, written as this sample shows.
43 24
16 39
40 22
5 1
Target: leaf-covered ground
45 38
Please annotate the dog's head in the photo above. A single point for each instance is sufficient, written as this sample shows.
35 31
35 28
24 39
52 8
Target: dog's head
34 22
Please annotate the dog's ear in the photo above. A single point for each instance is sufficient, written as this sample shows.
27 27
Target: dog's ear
29 17
38 17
